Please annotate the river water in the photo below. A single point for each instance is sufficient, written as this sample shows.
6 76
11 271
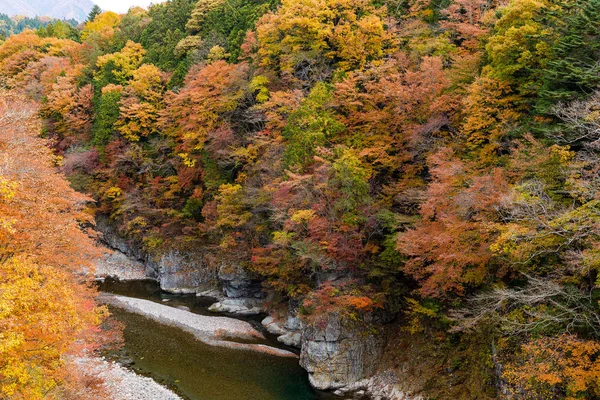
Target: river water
197 371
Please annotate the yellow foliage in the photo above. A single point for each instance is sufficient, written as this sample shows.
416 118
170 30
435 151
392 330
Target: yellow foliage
124 62
102 26
351 31
303 216
113 192
230 207
7 188
187 161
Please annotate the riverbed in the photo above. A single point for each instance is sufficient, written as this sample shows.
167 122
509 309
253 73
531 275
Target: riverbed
197 371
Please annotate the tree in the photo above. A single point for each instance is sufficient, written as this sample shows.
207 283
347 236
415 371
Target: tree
308 39
94 12
573 71
117 68
311 126
101 29
449 249
209 94
47 308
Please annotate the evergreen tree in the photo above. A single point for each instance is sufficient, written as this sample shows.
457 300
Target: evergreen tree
574 70
96 10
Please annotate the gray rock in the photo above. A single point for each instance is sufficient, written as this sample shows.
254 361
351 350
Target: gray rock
273 326
293 323
176 272
337 355
292 339
120 266
238 283
182 273
238 306
384 386
113 239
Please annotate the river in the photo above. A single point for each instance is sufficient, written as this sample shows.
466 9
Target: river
197 371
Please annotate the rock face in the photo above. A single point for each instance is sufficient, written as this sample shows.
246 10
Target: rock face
181 273
238 283
111 238
120 266
337 356
383 386
174 271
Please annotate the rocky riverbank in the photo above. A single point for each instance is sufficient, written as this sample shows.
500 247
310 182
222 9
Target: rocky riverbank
215 331
339 358
121 384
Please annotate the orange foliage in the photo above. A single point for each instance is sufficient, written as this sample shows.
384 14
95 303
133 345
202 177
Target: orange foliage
449 248
566 366
47 308
197 109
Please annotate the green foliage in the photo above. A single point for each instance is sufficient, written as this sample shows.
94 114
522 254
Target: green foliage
351 180
193 209
310 127
573 71
94 12
227 22
165 29
107 113
60 30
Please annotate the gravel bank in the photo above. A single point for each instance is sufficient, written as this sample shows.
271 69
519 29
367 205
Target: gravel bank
122 384
214 331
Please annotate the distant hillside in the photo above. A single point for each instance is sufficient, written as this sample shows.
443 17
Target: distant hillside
13 25
59 9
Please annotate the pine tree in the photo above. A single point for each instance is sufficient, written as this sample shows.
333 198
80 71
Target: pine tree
96 10
574 70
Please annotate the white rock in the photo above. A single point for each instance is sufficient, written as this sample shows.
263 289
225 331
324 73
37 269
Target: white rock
237 306
273 326
292 339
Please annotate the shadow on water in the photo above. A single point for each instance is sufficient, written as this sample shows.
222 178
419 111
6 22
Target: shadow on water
195 370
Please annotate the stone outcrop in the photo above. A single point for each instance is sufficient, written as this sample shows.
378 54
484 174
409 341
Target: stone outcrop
120 266
382 386
238 282
337 355
175 271
285 335
242 290
181 273
112 238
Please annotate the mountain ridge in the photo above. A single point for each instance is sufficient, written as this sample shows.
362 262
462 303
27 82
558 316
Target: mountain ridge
59 9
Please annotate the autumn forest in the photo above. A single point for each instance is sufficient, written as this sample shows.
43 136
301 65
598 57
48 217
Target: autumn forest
426 170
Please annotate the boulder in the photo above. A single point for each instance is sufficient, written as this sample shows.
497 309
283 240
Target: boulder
292 339
181 273
237 306
273 327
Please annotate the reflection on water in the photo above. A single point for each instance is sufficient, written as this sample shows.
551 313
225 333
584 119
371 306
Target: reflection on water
198 371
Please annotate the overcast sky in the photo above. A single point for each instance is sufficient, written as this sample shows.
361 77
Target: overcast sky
122 6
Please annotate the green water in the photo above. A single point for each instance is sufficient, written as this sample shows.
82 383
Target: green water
195 370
